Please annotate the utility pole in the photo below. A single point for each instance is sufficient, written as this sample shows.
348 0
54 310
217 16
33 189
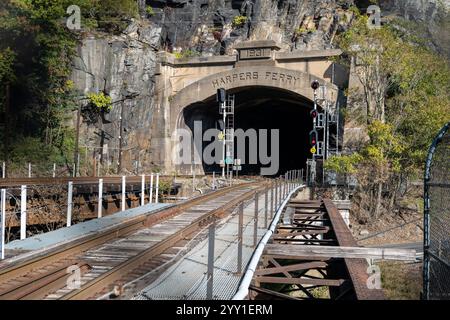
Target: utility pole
119 165
7 106
102 141
314 85
220 98
76 154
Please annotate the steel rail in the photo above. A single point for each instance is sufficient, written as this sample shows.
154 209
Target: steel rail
96 285
77 246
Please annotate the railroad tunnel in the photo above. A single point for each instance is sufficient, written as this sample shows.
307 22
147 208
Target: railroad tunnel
259 107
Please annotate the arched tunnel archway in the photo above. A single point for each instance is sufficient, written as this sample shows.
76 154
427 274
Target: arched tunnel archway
260 107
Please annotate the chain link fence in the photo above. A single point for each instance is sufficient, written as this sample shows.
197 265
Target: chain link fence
437 218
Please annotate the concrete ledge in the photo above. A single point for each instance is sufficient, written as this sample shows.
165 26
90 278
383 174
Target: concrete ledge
168 59
257 44
302 55
64 235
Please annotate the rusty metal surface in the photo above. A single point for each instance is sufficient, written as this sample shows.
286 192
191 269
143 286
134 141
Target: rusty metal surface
42 284
313 223
357 268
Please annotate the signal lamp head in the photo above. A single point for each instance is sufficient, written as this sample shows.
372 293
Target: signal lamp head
221 95
315 85
313 137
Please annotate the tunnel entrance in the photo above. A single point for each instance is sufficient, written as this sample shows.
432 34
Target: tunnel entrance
258 107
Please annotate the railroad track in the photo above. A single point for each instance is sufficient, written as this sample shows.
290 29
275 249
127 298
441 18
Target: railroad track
121 254
43 181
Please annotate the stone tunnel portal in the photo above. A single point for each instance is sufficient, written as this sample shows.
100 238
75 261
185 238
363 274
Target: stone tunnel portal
259 107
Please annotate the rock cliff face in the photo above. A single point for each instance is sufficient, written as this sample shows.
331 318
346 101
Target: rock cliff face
207 26
432 18
124 66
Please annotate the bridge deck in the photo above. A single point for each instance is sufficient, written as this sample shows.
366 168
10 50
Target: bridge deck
320 225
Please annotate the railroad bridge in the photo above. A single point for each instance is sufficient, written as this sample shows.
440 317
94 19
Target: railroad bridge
272 91
260 239
257 238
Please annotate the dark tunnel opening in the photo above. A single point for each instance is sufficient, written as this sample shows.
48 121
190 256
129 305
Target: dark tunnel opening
261 108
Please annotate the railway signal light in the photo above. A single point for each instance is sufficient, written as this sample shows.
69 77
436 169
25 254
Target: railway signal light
313 138
315 85
220 96
313 113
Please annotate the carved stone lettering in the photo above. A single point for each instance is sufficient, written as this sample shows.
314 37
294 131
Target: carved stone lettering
254 53
285 78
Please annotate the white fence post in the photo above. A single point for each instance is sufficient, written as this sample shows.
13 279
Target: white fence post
157 188
2 223
143 190
4 170
151 188
69 203
54 170
23 212
124 186
29 169
100 197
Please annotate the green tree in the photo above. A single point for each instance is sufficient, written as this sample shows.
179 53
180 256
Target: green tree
406 90
36 53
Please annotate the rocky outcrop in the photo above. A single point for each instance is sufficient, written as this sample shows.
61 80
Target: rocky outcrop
416 10
123 67
432 18
207 26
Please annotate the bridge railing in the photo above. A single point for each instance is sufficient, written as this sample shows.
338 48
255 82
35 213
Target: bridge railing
436 269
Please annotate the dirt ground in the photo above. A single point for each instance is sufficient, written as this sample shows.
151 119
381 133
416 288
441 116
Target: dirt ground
400 280
404 233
